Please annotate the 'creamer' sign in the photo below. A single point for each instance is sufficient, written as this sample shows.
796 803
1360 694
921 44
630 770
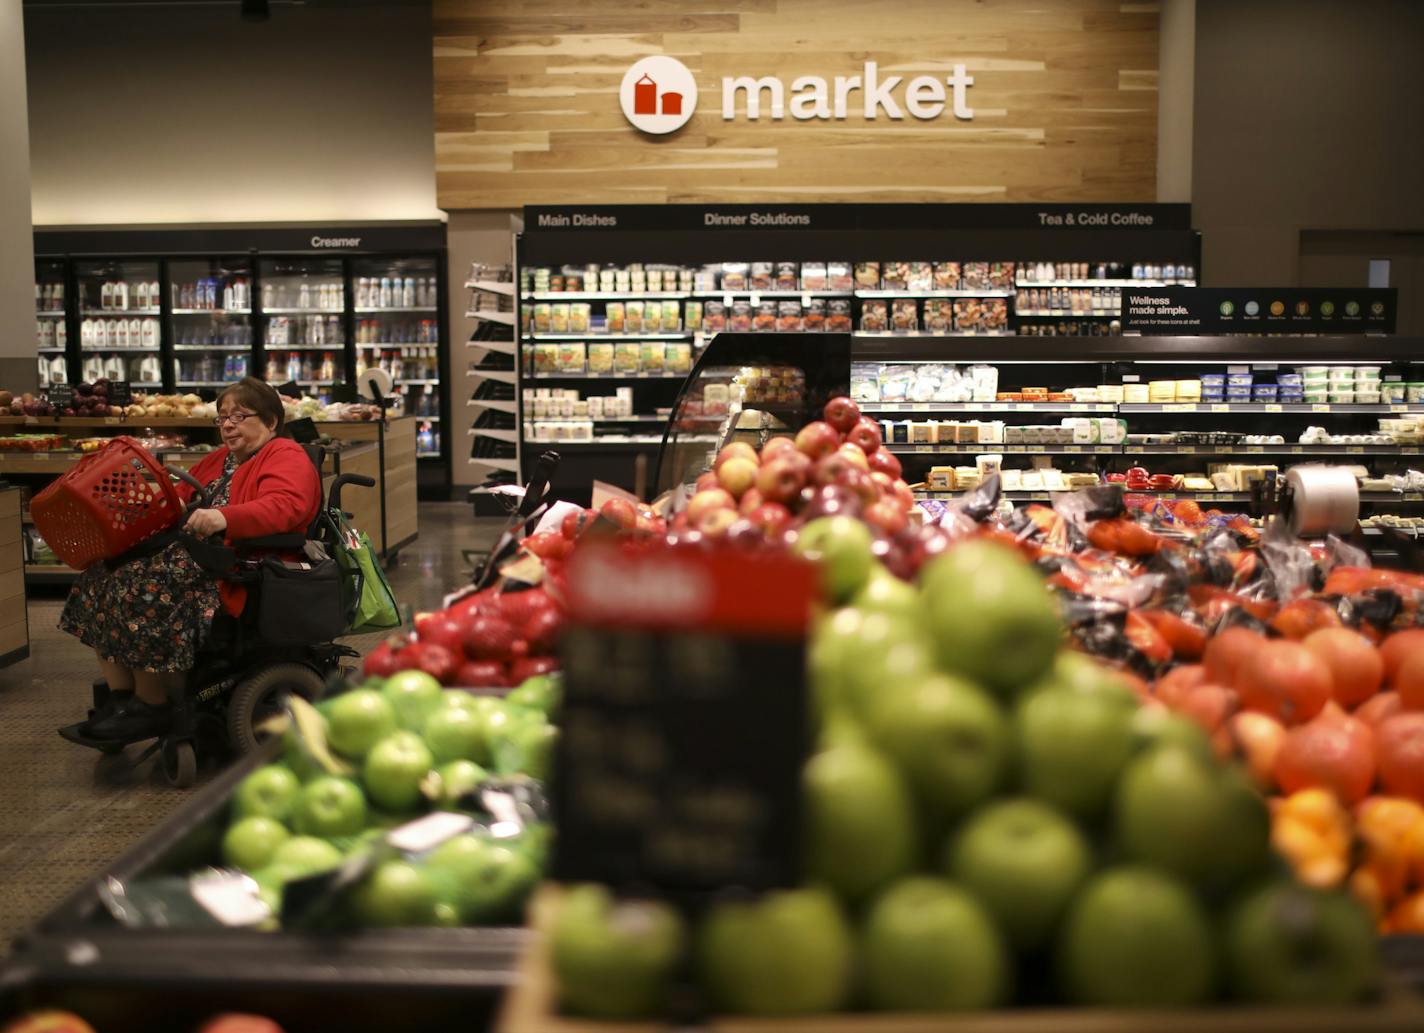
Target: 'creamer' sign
659 94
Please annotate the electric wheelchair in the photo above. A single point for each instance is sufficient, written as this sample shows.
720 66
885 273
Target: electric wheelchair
240 678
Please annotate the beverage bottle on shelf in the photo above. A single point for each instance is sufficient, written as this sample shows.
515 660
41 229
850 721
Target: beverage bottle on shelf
274 370
294 366
141 294
41 334
318 330
304 296
397 367
432 292
383 299
360 361
333 330
363 291
328 366
227 367
106 295
135 332
385 363
228 304
408 293
57 298
308 368
61 334
43 372
269 296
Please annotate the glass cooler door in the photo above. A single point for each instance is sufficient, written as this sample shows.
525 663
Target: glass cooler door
210 301
750 387
120 320
398 330
303 307
51 329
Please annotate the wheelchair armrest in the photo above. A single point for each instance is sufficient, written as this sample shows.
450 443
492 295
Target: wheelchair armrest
271 542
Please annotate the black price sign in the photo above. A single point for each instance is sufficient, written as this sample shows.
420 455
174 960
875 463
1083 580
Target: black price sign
684 721
60 396
1189 311
120 393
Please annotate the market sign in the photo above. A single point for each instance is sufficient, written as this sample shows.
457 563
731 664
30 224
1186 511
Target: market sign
1176 311
659 94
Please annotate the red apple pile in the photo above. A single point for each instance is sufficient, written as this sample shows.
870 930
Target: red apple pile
496 637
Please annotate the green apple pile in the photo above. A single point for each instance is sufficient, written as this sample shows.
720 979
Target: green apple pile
989 820
385 753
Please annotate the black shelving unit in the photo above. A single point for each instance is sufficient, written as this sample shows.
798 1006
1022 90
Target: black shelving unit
345 252
692 236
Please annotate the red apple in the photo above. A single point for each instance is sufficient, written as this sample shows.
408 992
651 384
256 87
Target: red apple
886 516
442 630
859 482
620 513
884 461
574 522
715 522
771 517
865 433
737 474
651 524
437 661
490 638
818 439
706 482
528 667
381 662
749 501
835 468
482 673
735 450
781 480
841 413
705 502
856 455
548 545
542 631
776 447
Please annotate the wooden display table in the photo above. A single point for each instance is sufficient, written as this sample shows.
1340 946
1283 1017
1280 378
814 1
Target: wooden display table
14 621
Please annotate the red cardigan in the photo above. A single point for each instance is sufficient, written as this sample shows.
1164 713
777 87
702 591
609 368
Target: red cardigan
276 491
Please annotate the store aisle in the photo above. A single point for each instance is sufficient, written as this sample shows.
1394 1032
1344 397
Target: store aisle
65 811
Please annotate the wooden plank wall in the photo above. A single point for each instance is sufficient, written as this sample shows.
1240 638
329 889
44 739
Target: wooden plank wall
526 101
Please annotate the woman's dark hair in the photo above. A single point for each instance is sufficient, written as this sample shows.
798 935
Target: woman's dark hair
262 398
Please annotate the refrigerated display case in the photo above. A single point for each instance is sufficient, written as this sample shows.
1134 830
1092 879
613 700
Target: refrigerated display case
304 326
210 309
51 326
120 308
398 330
191 309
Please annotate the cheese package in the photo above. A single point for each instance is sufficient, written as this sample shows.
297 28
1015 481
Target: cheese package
671 323
652 317
941 478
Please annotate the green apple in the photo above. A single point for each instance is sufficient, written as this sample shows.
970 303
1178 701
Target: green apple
788 953
883 592
859 820
269 792
396 894
485 880
992 618
949 738
1072 746
448 783
1154 726
528 748
614 959
305 855
328 807
1074 670
890 652
1289 944
840 545
413 695
1136 937
249 843
1023 861
1187 816
394 769
541 692
455 733
928 946
462 698
357 720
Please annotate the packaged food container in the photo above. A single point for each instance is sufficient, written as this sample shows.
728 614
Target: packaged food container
1288 379
838 315
764 320
678 356
1341 397
1414 392
627 357
1213 380
739 320
941 478
1341 373
1368 372
1135 394
788 316
1239 380
813 276
1316 397
867 275
652 317
895 276
1188 390
1313 371
671 317
787 276
1265 392
988 464
946 276
874 315
1162 390
600 357
1367 397
1392 392
633 317
1238 394
839 276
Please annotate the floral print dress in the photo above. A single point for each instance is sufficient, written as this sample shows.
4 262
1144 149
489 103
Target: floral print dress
152 613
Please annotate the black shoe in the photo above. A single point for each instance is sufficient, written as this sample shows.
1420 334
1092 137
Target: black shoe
132 721
117 699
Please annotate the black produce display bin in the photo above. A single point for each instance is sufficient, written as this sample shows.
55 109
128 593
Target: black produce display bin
79 958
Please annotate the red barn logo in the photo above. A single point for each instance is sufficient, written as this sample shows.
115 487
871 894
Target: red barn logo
658 95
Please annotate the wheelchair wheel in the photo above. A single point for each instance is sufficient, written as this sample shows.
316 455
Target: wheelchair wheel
262 696
180 763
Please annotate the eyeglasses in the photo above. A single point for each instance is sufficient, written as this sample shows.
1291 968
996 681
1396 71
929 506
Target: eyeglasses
233 418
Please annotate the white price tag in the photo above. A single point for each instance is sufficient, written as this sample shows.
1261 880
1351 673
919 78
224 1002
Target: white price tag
756 300
230 897
1188 450
1273 407
921 407
1318 407
1254 449
1396 407
1355 450
427 833
1180 407
1072 448
924 448
1103 449
1220 407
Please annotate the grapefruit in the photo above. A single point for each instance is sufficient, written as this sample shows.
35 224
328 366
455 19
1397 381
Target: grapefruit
1286 680
1226 652
1409 682
1395 649
1330 754
1356 667
1399 743
1383 705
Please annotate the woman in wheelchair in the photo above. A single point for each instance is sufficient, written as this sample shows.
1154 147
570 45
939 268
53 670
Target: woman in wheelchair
147 618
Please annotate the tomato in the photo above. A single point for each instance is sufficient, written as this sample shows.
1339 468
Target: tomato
1227 651
1285 680
1356 667
1397 648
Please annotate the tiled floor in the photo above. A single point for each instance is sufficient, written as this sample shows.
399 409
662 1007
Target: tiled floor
64 810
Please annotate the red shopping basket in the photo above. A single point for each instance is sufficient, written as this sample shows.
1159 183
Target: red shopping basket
108 503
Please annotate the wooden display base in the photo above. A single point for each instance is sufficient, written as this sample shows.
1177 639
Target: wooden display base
530 1006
